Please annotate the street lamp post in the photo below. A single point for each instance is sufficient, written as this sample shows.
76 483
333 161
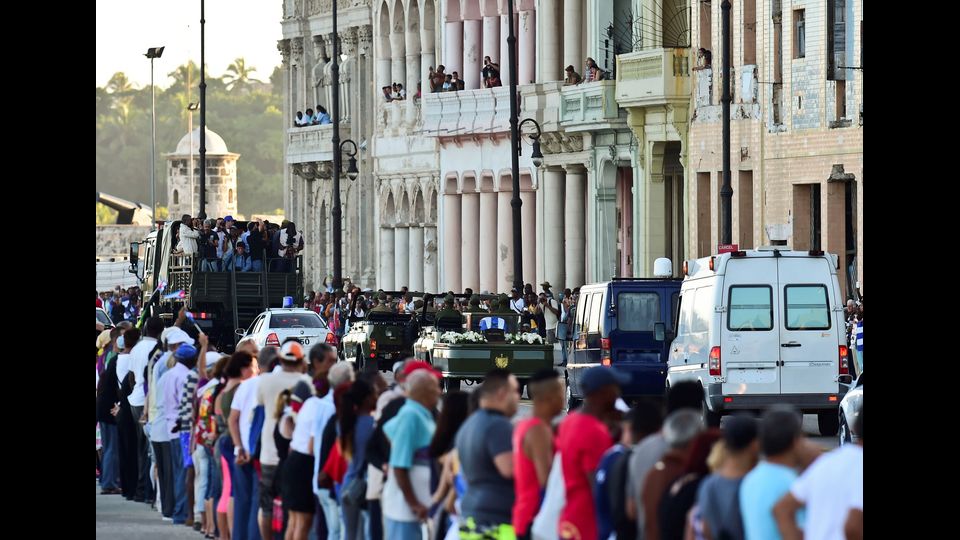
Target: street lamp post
726 191
191 107
337 212
203 119
152 53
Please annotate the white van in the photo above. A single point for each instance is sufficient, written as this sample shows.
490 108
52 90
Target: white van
761 327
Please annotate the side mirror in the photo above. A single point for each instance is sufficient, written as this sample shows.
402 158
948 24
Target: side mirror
659 331
241 332
134 257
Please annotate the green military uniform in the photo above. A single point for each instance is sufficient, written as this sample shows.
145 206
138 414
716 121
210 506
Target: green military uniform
448 313
383 306
474 306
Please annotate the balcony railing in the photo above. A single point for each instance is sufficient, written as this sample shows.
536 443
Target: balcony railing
311 143
395 117
483 111
653 77
588 104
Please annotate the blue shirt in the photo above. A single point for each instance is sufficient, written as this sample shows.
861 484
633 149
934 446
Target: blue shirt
323 118
361 434
600 496
410 433
759 492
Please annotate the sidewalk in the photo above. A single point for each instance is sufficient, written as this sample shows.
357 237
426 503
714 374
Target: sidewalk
120 519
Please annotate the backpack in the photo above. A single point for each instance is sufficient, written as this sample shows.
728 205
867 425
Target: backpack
617 495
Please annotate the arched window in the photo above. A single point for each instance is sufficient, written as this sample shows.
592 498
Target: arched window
230 196
176 197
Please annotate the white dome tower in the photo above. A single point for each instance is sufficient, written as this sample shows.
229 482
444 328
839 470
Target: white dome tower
183 188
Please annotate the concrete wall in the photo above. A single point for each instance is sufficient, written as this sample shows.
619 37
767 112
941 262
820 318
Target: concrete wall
114 240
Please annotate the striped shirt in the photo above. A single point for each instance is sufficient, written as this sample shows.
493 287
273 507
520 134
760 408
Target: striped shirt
859 336
186 401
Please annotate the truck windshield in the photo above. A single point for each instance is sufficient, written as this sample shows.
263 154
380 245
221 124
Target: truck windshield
296 320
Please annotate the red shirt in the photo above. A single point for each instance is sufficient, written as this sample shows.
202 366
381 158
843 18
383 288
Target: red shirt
525 482
581 440
99 302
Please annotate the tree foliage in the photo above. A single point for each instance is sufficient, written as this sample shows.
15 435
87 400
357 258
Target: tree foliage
245 115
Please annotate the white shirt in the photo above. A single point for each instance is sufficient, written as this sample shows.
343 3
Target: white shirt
325 410
245 400
403 94
548 315
517 305
304 426
830 488
139 358
123 366
188 240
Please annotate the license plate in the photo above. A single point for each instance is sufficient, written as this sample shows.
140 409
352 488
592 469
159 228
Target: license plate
751 375
304 341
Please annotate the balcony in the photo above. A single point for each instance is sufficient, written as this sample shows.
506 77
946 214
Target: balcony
589 106
312 143
394 118
478 112
654 77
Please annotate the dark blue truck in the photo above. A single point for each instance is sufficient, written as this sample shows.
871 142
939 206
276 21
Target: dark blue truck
627 323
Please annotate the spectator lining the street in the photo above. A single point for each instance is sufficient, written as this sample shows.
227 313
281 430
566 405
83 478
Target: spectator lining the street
356 427
719 495
680 497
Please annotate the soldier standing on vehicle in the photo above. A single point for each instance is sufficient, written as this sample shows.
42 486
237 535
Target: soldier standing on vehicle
383 306
449 314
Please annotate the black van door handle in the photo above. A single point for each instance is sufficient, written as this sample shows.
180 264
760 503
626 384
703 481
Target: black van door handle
790 345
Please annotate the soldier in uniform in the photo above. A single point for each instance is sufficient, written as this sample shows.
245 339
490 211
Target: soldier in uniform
449 316
383 306
474 306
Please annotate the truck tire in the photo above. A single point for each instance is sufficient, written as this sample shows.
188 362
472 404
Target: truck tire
358 360
451 385
710 418
829 423
572 402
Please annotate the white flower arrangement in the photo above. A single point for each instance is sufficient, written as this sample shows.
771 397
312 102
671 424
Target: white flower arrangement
465 337
531 338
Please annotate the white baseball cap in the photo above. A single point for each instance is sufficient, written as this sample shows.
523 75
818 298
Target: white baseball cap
212 358
179 336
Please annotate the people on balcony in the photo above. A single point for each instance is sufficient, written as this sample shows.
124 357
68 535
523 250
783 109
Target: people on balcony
309 119
704 59
322 116
437 78
387 93
592 73
448 85
490 73
572 77
298 121
457 81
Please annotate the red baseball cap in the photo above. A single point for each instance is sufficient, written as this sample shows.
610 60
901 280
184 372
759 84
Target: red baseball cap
414 365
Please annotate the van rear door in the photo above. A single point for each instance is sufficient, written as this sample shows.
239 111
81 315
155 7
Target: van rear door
633 345
809 334
750 341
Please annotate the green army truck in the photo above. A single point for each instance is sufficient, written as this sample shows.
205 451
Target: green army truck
464 353
382 338
220 302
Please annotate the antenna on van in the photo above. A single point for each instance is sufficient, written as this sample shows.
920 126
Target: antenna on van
662 268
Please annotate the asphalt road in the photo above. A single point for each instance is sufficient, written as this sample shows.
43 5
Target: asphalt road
120 519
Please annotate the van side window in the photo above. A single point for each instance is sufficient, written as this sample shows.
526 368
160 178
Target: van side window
638 312
685 319
806 307
702 310
750 308
583 308
596 311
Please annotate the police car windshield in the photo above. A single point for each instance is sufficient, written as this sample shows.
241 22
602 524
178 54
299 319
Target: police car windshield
296 320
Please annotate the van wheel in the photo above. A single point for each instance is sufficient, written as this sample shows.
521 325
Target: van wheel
829 423
572 402
844 433
358 360
710 418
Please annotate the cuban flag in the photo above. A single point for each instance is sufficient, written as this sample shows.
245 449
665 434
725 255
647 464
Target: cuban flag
175 294
488 323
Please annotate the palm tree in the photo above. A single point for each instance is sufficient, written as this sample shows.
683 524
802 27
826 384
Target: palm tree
121 90
238 75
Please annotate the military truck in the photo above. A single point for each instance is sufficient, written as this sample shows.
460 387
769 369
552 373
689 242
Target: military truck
380 339
470 361
220 302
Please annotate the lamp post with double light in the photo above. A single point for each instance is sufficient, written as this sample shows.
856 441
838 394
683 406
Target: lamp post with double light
153 53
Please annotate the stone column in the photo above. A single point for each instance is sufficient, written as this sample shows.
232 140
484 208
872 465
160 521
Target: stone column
383 63
416 258
385 279
428 57
453 52
413 74
553 213
472 61
528 219
488 241
504 240
572 48
398 72
526 47
470 240
450 280
430 258
296 71
504 55
491 40
551 68
401 248
574 228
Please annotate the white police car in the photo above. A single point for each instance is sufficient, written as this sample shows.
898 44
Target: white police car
275 325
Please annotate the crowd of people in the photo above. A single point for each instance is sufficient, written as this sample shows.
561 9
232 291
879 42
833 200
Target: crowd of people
396 92
853 317
221 245
271 442
120 304
312 119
